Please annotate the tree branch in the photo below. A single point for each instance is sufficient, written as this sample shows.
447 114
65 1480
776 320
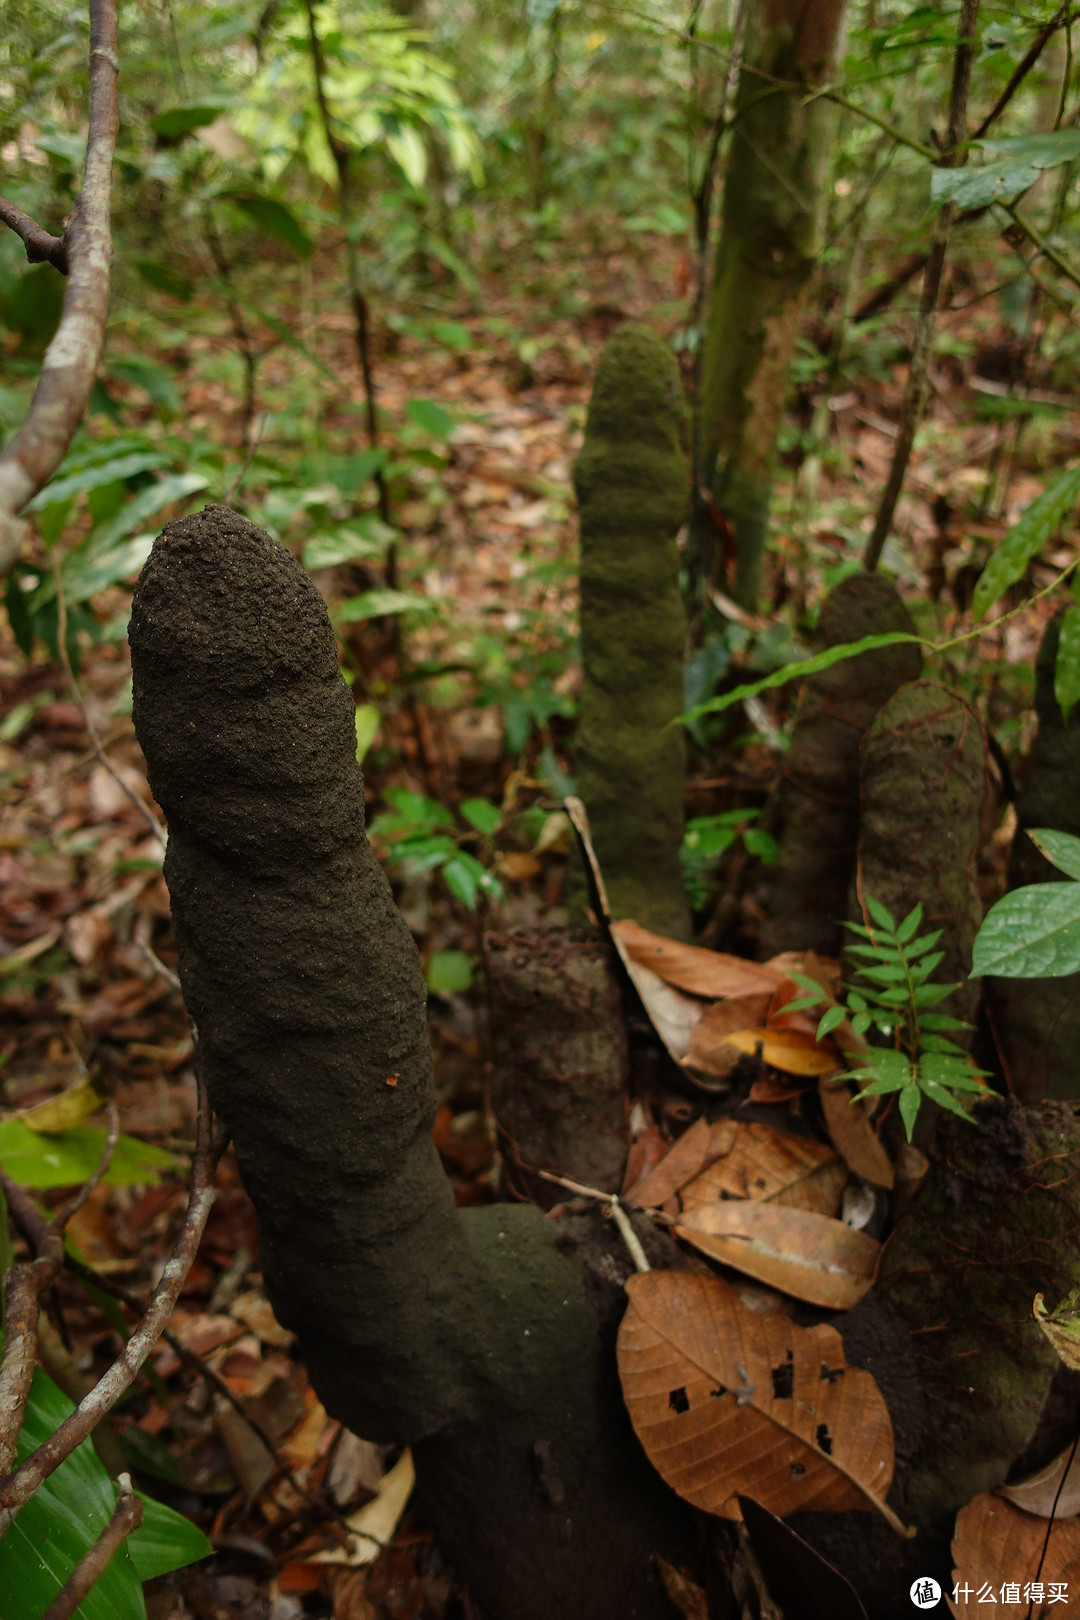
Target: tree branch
18 1486
41 246
1022 69
67 376
93 1564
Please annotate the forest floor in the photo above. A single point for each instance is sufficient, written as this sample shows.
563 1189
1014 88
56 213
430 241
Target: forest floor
84 912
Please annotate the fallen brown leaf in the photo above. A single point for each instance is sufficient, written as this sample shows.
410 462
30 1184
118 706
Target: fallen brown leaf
791 1050
810 1256
709 1048
685 1160
1039 1494
725 1401
689 967
996 1547
852 1132
771 1166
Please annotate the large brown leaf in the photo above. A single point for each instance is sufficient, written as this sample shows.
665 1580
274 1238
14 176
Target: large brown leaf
995 1544
709 1049
771 1166
853 1134
810 1256
689 967
1049 1491
725 1402
696 1148
791 1050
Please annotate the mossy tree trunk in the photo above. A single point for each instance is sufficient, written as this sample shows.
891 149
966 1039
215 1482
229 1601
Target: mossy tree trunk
480 1337
770 235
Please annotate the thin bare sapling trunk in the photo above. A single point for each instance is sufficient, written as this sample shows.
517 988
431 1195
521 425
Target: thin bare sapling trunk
475 1335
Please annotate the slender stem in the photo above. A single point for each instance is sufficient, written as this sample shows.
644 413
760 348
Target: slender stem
35 451
1021 70
1058 260
93 1564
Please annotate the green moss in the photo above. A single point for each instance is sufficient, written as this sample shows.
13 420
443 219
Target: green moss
631 482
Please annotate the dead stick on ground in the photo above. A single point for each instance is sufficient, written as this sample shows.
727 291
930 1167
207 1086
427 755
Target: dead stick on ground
35 451
911 408
18 1486
93 1564
618 1214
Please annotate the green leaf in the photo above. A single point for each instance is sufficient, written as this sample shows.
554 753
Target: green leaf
860 1022
275 218
795 671
930 995
801 1004
177 121
884 974
1033 933
466 877
448 972
72 1156
1026 539
941 1021
830 1020
84 575
938 1043
921 971
953 1069
1046 151
999 181
145 505
433 418
367 724
887 1070
926 942
365 538
97 474
880 914
164 277
1061 849
910 1098
165 1541
153 379
1067 663
380 604
482 814
910 923
807 983
760 844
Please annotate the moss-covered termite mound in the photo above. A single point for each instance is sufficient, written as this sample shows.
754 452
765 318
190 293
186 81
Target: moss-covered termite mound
819 795
475 1336
997 1222
631 483
1036 1022
923 785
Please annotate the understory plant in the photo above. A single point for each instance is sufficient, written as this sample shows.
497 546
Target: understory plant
896 998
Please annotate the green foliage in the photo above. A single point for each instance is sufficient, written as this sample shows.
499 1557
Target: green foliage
1026 539
1034 932
65 1516
1013 165
796 670
1067 663
419 835
448 973
896 998
66 1158
707 840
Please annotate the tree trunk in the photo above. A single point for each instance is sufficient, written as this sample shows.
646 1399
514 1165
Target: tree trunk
769 238
481 1337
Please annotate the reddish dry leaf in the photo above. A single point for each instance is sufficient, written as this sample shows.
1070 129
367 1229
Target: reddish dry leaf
810 1256
687 1158
774 1088
687 1596
850 1127
994 1543
709 1049
644 1154
688 967
787 1049
725 1402
771 1166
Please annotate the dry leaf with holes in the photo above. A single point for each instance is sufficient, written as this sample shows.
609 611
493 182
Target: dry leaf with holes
995 1543
690 967
725 1402
696 1148
853 1134
791 1050
810 1256
771 1166
709 1049
1039 1494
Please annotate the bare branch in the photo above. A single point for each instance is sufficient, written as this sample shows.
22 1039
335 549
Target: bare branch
17 1487
71 360
41 246
93 1564
26 1284
1022 69
61 1218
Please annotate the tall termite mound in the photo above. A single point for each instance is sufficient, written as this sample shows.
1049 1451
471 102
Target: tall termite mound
480 1336
819 795
631 483
1036 1022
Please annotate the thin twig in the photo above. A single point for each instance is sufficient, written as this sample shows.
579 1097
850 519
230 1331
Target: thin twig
74 1204
248 459
18 1486
617 1212
26 1284
91 731
41 246
93 1564
1034 235
35 451
1022 69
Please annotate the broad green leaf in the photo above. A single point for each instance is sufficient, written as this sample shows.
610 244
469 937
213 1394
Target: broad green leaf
880 914
380 604
85 575
96 474
360 540
909 925
1060 848
367 724
1001 180
761 845
65 1516
1033 933
177 121
910 1097
1026 539
796 670
155 380
1044 151
433 418
145 505
1067 663
887 1070
482 814
275 218
41 1161
951 1069
449 972
461 880
861 1022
